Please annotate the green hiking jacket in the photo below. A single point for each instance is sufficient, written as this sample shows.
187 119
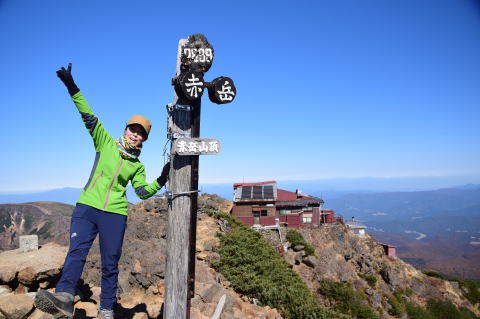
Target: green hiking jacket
105 189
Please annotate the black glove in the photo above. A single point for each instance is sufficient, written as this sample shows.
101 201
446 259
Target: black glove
162 180
67 79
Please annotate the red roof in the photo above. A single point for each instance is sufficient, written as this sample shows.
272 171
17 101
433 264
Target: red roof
284 196
252 184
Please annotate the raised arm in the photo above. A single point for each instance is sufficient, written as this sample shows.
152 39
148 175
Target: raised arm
93 125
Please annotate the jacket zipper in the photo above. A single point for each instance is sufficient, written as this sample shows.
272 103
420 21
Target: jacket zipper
113 181
96 179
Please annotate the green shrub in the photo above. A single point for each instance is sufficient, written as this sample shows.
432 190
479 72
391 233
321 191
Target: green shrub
436 309
447 310
435 274
414 311
370 279
295 238
398 308
209 212
473 288
255 269
348 301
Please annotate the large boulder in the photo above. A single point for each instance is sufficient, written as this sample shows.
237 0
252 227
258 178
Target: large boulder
15 306
32 268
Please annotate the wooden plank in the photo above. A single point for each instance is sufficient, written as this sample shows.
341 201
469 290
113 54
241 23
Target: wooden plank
179 208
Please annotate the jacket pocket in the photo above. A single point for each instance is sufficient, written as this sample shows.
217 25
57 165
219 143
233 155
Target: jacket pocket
95 181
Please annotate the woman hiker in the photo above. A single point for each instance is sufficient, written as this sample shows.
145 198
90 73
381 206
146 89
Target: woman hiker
102 206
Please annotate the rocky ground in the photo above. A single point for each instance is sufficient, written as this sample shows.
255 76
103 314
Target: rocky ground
343 257
339 256
142 268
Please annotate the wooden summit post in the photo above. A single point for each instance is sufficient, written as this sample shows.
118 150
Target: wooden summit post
194 58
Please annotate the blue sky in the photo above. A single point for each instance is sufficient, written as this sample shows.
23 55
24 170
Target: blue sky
326 89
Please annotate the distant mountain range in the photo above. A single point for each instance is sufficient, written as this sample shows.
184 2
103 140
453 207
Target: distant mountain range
325 188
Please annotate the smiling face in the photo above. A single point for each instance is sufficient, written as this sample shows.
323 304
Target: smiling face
135 134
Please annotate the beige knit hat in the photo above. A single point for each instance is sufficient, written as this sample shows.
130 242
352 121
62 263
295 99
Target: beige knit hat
141 120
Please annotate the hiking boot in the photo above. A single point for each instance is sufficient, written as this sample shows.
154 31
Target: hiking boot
105 314
58 304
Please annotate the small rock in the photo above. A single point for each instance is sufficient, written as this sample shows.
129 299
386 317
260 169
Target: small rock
310 261
153 309
26 276
21 289
455 284
377 299
298 258
5 290
161 288
348 257
369 291
137 267
214 257
299 247
148 205
7 275
16 306
289 257
208 246
90 308
202 256
38 314
153 290
44 284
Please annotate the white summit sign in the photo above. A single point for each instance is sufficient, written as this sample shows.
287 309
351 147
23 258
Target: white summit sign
196 146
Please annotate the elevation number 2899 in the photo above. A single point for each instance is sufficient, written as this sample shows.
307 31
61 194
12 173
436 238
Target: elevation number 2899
198 55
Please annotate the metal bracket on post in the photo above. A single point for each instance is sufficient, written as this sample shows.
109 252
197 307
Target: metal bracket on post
178 107
170 195
172 136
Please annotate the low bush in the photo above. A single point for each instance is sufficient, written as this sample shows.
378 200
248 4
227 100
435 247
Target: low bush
397 307
414 311
436 309
295 238
348 301
436 274
370 279
256 270
447 310
473 288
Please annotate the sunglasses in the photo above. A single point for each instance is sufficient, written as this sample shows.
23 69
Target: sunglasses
138 129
